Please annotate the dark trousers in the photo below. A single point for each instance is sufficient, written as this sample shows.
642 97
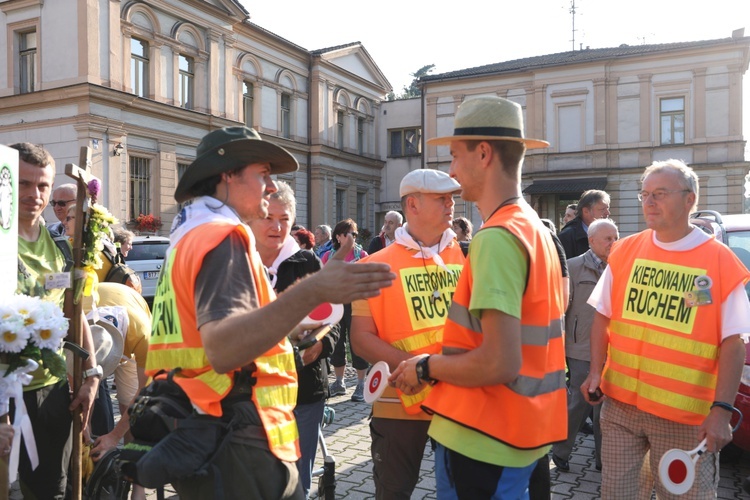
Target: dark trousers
102 413
540 484
397 450
338 358
51 422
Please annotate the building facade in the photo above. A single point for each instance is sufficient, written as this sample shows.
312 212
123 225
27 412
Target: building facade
608 113
141 82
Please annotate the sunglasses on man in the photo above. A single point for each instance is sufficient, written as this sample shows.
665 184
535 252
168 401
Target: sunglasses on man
60 203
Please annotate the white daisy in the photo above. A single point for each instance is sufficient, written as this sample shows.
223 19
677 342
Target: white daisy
13 334
51 327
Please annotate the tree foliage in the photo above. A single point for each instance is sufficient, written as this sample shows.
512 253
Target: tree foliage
413 89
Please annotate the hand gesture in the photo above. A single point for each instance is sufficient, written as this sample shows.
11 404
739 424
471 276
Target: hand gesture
341 282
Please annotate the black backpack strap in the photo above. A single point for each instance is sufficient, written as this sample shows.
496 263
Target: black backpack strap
62 244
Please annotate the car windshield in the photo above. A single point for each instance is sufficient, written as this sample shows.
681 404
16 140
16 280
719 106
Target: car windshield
147 250
739 242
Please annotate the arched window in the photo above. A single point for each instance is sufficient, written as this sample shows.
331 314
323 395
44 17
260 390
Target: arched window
187 82
247 102
139 66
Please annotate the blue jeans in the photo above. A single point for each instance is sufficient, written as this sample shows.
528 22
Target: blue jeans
458 476
308 418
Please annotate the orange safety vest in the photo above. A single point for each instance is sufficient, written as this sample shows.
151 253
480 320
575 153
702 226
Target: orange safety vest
531 411
663 355
176 343
409 318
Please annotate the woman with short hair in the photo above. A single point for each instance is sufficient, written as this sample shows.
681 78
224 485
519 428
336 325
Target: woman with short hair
286 264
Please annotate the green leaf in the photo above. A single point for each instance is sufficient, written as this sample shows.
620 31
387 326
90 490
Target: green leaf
54 363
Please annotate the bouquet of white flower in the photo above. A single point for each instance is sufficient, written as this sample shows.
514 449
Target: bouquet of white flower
32 329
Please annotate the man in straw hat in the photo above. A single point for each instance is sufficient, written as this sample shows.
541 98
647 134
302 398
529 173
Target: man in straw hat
406 320
215 315
501 400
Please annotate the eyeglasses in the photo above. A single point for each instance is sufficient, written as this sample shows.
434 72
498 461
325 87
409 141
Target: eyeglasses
354 234
659 194
60 203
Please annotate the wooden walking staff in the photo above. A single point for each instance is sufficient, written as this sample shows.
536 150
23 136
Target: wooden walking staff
73 310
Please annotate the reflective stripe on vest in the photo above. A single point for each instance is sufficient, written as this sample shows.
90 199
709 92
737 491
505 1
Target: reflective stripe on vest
410 318
538 396
175 342
663 355
525 385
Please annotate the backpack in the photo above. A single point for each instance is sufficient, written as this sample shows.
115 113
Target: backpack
61 241
120 272
171 441
106 481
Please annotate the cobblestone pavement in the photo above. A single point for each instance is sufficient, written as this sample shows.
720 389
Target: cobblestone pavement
348 440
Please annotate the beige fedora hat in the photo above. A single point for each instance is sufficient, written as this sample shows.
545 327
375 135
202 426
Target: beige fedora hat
108 346
489 119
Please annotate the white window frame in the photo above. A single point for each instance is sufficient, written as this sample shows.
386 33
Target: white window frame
672 115
186 84
140 68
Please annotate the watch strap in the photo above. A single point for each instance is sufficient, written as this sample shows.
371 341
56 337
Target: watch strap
423 371
93 372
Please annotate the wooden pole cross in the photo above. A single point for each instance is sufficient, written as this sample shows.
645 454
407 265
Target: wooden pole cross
73 310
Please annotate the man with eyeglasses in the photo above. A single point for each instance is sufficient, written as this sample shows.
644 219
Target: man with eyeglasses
670 312
62 197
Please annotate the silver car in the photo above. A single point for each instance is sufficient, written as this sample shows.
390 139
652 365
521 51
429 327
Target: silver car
146 258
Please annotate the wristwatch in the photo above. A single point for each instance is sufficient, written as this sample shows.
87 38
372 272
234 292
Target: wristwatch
423 371
93 372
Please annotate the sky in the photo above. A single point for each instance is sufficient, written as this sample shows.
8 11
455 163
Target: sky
403 36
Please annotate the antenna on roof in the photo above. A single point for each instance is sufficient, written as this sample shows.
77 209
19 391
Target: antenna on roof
573 16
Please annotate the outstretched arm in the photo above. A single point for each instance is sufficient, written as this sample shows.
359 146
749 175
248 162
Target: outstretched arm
236 340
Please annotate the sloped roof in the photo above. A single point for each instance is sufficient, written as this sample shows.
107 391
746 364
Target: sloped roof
278 37
573 57
318 52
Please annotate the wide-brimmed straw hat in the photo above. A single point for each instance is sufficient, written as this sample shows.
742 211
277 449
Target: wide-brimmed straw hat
230 148
489 119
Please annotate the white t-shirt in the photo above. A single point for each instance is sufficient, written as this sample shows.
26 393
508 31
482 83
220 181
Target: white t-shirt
735 311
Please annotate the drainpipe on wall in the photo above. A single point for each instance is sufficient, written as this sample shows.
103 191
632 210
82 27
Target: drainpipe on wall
421 119
309 143
105 167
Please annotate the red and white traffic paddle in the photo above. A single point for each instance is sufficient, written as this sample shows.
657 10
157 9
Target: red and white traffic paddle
677 468
325 313
376 381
